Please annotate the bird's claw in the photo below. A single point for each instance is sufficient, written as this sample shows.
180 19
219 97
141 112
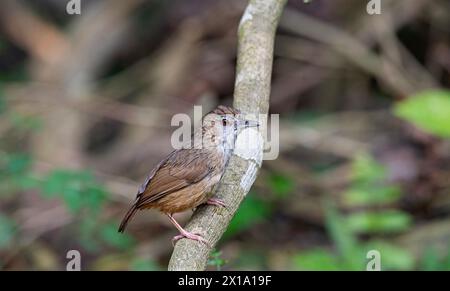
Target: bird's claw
188 235
216 202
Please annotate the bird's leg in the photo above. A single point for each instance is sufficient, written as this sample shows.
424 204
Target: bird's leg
216 202
184 233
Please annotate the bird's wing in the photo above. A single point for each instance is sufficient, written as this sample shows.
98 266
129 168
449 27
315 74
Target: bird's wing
177 171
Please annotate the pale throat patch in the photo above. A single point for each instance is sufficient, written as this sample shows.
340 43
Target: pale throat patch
249 146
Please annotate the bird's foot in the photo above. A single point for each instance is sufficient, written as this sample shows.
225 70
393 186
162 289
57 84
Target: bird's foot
216 202
189 235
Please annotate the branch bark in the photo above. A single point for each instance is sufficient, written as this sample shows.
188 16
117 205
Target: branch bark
256 36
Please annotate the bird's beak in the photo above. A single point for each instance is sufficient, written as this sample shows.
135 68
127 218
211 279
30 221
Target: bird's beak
250 123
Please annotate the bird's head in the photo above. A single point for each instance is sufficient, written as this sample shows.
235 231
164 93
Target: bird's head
221 126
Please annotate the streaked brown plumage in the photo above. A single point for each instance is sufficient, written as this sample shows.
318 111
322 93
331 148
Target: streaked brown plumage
187 177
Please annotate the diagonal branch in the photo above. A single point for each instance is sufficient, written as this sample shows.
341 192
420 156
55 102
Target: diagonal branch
252 89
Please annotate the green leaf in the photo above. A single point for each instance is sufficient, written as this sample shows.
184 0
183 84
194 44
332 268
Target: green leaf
115 239
316 260
428 110
94 197
387 221
281 185
78 189
7 231
366 169
88 232
29 181
430 260
368 186
250 212
14 172
343 238
372 195
55 183
18 163
392 257
73 199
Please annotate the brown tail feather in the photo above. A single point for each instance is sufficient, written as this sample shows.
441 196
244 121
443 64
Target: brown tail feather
131 212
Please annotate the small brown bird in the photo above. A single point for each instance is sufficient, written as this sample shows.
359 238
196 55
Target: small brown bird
187 177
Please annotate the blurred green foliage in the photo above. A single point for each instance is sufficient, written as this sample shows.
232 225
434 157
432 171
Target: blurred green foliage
428 110
7 231
281 185
85 198
386 221
14 173
24 123
433 261
252 210
216 260
318 260
368 185
368 188
78 190
350 252
109 233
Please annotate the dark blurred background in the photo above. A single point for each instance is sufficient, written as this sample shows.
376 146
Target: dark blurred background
85 108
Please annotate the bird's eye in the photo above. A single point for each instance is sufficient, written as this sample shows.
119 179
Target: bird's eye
224 121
